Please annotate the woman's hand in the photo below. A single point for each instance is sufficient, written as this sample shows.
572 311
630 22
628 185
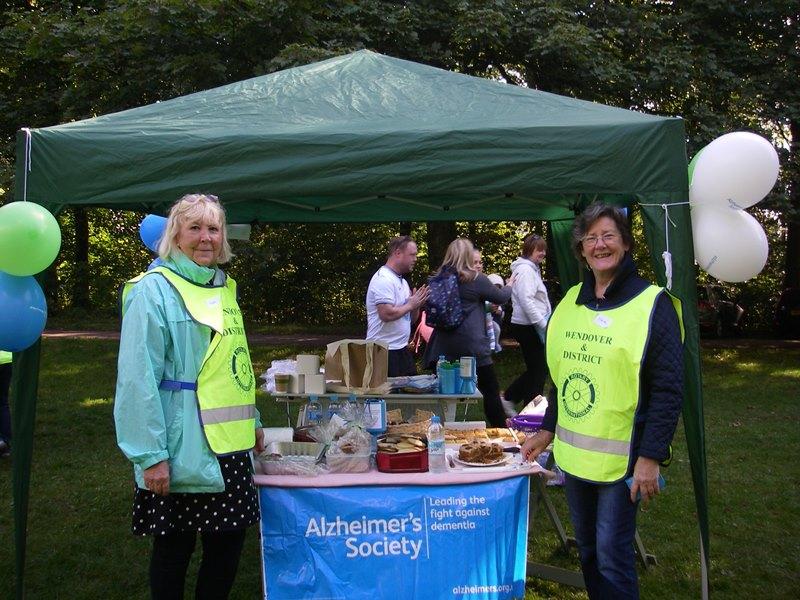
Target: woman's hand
156 478
535 444
259 440
645 479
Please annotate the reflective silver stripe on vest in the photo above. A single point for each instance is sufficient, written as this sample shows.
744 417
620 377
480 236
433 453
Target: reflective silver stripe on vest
213 416
590 442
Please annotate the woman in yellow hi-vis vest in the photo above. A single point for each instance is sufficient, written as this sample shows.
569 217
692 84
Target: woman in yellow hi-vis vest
614 349
185 404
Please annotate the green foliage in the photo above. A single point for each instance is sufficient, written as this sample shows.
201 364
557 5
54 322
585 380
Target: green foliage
117 254
309 272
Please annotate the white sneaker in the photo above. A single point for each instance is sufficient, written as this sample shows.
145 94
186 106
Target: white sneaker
509 408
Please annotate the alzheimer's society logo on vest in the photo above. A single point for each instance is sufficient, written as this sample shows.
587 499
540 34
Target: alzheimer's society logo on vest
242 369
578 392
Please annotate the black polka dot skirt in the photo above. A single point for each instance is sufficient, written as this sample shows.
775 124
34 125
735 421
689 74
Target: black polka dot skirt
235 508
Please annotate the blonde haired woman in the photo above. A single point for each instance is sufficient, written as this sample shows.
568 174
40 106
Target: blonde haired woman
185 405
470 338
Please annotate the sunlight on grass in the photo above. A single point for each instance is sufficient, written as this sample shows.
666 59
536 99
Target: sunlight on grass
748 366
791 373
91 402
70 370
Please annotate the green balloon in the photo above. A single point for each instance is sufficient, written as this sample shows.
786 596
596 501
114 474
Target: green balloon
29 238
693 164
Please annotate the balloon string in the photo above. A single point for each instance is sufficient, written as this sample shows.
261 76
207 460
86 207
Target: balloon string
667 255
27 168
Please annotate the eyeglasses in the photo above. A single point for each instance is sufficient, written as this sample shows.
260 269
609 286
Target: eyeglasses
192 198
591 240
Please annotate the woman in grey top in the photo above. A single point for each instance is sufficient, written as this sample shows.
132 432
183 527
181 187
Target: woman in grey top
470 338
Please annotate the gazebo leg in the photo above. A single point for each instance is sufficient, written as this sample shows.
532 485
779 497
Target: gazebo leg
647 560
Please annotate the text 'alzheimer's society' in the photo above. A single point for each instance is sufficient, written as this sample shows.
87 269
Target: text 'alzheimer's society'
404 535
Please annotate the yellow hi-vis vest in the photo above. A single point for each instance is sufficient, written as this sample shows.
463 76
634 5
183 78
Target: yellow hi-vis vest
5 357
225 385
595 359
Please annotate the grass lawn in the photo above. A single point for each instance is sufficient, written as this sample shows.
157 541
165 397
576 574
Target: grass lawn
80 546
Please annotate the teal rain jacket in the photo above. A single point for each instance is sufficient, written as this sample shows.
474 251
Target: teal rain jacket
160 341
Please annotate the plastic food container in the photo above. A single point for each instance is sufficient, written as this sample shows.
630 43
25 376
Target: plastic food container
347 463
527 423
291 458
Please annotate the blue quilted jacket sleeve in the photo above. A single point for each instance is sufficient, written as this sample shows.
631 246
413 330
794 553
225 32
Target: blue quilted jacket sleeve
662 383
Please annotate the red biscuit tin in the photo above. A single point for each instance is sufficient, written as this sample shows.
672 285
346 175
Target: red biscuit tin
402 462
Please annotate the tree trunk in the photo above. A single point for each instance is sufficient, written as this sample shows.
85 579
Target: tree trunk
80 289
440 234
792 273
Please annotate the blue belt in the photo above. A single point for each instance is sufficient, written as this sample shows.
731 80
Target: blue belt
171 385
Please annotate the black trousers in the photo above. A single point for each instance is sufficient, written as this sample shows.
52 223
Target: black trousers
531 383
401 363
172 553
487 384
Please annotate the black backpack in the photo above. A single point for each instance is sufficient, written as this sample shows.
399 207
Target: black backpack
443 308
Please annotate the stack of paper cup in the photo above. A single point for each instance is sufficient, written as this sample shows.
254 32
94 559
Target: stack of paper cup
315 383
307 375
307 364
298 383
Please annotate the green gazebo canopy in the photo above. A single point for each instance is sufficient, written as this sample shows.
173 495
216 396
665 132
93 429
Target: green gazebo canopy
365 137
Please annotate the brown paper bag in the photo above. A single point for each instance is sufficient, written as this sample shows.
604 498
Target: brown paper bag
359 367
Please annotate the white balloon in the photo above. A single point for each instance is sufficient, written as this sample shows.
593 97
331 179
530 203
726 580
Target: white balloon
239 231
735 171
728 244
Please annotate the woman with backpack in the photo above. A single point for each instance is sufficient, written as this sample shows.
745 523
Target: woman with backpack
468 337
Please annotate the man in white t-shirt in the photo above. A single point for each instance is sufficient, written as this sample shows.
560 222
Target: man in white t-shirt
392 307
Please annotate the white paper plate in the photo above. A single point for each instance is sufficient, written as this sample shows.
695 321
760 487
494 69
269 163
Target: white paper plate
502 461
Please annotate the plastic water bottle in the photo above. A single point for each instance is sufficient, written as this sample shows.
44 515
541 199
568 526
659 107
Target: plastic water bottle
356 407
313 411
333 406
439 364
436 458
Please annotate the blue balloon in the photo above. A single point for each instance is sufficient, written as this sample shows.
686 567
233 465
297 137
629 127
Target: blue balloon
151 230
23 312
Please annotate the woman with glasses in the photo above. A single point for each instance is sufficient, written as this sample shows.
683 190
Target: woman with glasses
530 311
615 353
185 405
